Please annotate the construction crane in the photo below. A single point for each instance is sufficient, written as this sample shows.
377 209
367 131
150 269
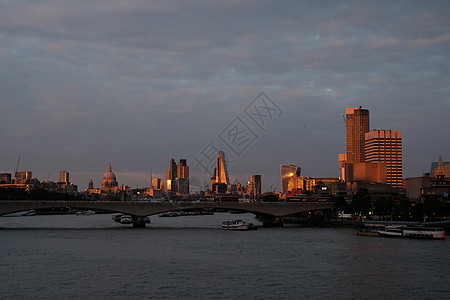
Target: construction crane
17 167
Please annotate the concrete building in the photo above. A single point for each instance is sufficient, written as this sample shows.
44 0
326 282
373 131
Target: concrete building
356 126
182 180
385 146
256 185
376 190
64 177
5 178
368 172
414 186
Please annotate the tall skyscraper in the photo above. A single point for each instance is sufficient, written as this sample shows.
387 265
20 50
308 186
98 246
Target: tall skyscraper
182 177
356 126
171 174
289 173
220 179
64 177
385 146
91 184
221 170
256 185
156 183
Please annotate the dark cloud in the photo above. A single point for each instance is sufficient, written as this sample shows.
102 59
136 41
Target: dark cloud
87 82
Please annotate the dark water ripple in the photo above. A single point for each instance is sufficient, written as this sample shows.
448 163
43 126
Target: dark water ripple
68 257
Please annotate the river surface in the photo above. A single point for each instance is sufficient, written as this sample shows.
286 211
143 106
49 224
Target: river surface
190 257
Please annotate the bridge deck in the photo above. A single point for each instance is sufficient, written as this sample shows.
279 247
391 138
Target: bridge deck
139 208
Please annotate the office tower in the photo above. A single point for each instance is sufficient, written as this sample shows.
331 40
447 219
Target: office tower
289 173
91 184
64 177
256 185
182 169
220 179
156 183
356 126
221 170
385 146
182 177
5 178
171 174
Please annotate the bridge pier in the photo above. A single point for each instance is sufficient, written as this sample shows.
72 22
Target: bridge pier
271 221
138 222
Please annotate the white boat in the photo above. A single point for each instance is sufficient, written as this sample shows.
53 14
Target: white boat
424 233
391 231
415 232
126 220
238 225
85 212
116 217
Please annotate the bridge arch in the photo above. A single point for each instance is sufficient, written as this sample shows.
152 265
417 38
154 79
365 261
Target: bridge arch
142 209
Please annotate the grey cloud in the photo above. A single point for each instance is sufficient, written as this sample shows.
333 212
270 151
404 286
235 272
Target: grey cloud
133 81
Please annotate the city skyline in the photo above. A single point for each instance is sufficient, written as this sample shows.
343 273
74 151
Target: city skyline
84 85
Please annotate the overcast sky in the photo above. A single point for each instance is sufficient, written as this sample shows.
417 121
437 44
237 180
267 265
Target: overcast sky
131 82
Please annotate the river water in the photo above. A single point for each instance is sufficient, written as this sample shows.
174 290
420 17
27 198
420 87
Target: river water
190 257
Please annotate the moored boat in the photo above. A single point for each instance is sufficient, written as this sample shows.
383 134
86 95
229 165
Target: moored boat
238 225
126 219
414 232
391 231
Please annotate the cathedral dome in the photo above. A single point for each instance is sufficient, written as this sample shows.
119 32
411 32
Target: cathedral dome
109 179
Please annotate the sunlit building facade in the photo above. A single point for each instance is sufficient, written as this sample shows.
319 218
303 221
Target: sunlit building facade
256 185
356 127
220 180
289 176
171 174
385 146
109 182
182 179
64 177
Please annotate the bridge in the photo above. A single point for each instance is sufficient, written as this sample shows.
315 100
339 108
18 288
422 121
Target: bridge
272 212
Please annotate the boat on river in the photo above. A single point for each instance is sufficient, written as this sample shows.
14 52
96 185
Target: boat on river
414 232
238 225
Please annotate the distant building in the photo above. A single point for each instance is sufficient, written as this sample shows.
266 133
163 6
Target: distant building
442 167
5 178
256 185
365 171
435 186
91 184
22 177
220 180
440 185
171 174
385 146
182 179
109 182
356 126
64 177
156 183
289 175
